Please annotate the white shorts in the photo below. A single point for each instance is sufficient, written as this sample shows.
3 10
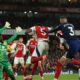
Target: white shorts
18 60
42 48
28 60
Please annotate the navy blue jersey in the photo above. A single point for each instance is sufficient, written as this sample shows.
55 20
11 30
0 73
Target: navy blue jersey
67 30
69 35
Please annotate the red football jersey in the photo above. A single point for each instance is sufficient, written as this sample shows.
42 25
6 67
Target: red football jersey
31 45
19 51
40 33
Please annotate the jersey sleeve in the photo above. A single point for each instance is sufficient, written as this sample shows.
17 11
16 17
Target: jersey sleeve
12 38
2 29
61 40
13 46
33 28
27 44
54 29
49 28
24 50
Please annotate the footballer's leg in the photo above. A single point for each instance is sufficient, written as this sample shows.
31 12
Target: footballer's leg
41 69
5 76
28 64
23 66
75 62
8 70
64 60
16 62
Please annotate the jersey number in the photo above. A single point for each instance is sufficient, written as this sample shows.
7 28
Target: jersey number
42 32
71 31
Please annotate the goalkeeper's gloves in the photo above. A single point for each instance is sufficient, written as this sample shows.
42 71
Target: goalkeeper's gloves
18 29
7 24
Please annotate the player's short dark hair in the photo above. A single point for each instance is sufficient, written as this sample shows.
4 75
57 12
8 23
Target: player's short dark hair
62 17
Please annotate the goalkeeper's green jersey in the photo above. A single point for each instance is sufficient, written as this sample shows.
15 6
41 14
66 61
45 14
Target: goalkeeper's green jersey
3 46
3 52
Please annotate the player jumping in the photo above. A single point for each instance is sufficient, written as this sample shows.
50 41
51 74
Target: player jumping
74 44
42 47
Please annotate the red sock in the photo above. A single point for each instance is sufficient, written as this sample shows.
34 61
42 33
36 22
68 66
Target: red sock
75 62
36 59
58 70
34 67
24 71
15 70
30 79
5 75
41 73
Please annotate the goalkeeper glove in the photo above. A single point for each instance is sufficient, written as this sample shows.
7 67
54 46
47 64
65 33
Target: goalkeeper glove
7 24
18 29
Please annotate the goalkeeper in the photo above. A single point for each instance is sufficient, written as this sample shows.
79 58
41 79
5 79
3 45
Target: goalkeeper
4 62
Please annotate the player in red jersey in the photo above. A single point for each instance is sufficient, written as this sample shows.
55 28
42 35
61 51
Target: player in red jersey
19 54
42 39
31 44
41 50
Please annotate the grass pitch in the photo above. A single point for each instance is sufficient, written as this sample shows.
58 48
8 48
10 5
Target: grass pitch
50 77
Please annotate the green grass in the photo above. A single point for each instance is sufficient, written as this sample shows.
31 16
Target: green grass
50 77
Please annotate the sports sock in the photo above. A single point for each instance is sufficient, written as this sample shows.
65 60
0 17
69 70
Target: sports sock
41 73
75 62
58 70
24 71
34 67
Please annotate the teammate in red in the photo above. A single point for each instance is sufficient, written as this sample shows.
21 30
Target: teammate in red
42 39
19 54
41 50
31 44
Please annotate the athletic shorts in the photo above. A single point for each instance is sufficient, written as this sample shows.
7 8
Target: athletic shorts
41 49
18 60
28 60
74 47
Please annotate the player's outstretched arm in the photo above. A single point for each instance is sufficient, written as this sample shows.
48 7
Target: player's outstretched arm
28 30
7 25
18 29
53 29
